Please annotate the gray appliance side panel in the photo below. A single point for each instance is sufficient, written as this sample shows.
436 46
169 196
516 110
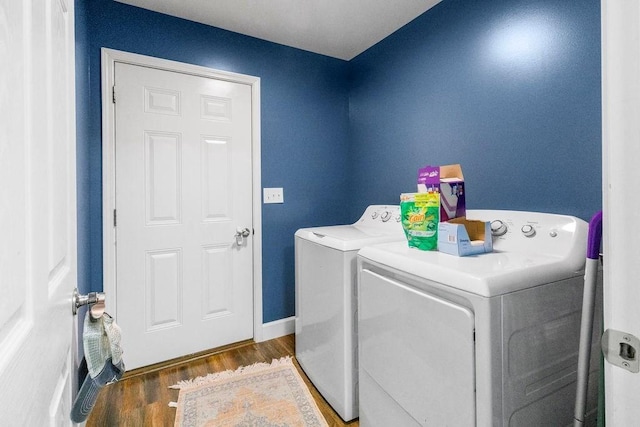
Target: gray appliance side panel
541 340
419 349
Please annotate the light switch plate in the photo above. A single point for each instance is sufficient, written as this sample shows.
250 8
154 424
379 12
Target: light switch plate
272 195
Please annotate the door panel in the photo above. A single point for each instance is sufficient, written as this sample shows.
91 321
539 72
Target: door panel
416 355
183 188
37 211
163 164
163 301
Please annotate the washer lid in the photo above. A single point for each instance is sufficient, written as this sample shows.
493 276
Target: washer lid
488 275
349 237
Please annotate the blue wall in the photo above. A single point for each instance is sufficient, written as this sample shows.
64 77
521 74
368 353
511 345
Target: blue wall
82 152
510 89
304 105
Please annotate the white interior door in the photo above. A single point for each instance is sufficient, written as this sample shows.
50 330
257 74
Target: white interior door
37 211
184 213
621 180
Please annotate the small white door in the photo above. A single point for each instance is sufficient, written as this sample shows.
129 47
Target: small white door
37 211
416 356
183 213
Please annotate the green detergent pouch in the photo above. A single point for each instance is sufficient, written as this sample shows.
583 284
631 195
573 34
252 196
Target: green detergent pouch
420 213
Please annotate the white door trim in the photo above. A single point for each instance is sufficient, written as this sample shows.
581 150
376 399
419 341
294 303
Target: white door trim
109 58
620 153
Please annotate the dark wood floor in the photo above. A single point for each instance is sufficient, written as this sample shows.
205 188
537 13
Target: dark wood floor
141 398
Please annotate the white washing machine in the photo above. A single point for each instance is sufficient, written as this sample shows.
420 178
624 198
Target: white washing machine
325 265
486 340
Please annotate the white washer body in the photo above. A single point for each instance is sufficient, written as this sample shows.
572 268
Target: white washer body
325 264
486 340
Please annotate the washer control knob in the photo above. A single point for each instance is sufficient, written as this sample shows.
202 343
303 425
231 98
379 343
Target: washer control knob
397 218
498 228
528 230
553 233
374 215
386 215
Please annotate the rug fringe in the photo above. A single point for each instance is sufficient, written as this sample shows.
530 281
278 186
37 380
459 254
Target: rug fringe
256 367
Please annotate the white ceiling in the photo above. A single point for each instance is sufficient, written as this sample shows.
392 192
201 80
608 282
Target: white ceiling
338 28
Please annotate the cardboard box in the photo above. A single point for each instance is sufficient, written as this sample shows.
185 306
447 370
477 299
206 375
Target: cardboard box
449 182
463 237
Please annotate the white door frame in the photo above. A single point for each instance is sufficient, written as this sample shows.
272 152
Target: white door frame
620 155
109 58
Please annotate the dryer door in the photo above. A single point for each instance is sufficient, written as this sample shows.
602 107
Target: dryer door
417 358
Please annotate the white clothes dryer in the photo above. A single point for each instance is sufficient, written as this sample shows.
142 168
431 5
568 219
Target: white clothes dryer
486 340
325 271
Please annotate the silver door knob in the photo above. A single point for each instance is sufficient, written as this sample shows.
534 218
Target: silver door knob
242 232
78 300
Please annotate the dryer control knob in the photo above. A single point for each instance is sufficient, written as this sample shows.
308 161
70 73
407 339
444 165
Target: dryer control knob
498 228
528 230
386 215
374 215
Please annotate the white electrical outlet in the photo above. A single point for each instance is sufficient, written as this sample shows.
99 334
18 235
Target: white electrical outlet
272 195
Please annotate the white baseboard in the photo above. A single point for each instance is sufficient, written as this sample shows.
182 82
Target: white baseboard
278 328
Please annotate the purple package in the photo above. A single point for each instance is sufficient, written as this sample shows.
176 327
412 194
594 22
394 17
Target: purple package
429 179
449 182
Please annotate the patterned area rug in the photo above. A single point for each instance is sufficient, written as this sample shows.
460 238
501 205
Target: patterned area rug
265 395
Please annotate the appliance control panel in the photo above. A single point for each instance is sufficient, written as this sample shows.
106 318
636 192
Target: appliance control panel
379 215
533 232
